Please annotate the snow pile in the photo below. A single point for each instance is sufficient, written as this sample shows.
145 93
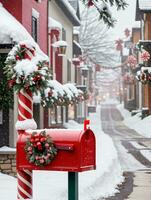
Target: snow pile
92 184
72 88
142 126
8 187
7 149
26 124
57 88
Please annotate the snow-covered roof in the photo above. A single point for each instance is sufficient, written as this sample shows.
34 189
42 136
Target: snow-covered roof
145 4
54 24
69 11
11 29
60 43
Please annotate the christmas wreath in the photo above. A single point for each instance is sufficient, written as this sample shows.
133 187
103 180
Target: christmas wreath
40 149
26 69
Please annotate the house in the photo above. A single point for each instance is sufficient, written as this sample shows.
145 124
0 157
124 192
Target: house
136 35
32 15
62 19
143 14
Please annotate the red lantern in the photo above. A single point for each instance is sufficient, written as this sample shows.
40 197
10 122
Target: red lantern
119 45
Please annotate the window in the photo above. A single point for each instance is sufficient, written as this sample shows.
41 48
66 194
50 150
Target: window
35 17
34 28
68 71
63 34
52 116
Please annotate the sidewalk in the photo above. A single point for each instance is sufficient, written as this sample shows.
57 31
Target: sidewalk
142 186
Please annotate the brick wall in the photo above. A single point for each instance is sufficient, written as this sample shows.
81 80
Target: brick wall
8 163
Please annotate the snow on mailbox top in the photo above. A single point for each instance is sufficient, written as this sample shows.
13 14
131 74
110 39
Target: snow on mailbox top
75 150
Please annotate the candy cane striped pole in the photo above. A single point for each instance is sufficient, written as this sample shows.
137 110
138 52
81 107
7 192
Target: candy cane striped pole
25 105
25 112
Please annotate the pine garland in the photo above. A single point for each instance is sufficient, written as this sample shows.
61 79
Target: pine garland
35 79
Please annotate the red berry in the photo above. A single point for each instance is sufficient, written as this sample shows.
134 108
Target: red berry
17 57
42 139
32 140
38 144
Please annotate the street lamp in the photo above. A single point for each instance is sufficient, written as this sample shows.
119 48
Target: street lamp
61 47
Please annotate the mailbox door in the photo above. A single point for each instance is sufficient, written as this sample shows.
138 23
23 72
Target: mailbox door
88 151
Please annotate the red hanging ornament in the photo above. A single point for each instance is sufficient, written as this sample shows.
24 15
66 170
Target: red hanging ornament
127 32
145 56
90 3
50 93
37 78
119 45
132 60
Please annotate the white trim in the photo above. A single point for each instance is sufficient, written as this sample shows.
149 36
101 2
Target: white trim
35 13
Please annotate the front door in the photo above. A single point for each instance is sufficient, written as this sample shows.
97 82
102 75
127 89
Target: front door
6 101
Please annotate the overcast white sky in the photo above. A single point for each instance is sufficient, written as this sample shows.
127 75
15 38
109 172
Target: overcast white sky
125 19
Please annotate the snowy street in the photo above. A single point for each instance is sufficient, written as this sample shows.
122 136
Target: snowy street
133 150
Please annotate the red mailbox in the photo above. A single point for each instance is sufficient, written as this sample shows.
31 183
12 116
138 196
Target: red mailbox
76 150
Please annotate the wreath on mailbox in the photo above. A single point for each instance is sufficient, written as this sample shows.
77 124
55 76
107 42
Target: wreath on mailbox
40 149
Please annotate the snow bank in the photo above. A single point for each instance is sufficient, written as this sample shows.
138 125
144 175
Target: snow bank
8 187
142 126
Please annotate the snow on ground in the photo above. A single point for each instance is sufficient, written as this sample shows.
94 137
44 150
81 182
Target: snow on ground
8 187
146 154
142 126
92 184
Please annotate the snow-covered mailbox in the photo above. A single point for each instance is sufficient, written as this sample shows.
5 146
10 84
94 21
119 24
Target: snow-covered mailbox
72 150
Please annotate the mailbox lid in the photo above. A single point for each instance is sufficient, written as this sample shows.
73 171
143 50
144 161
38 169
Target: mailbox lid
88 151
61 135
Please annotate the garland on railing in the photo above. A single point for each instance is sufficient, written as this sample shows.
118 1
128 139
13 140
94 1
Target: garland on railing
145 75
